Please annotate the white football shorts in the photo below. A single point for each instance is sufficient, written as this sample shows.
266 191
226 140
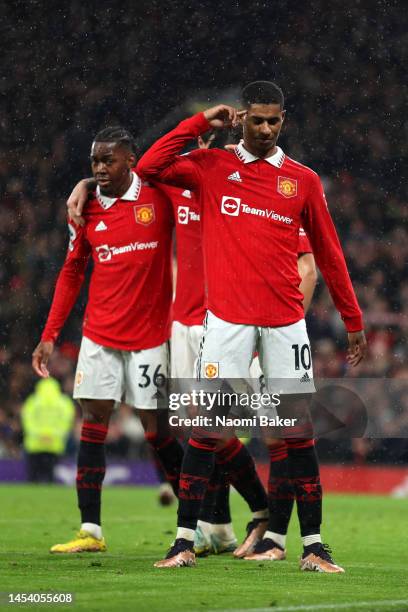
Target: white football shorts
185 343
138 378
227 349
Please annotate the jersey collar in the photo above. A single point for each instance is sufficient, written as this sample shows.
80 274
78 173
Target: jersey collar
131 195
246 157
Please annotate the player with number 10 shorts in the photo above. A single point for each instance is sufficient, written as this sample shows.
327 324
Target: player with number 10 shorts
253 204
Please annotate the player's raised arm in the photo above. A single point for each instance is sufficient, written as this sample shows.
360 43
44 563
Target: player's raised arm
331 262
162 161
67 288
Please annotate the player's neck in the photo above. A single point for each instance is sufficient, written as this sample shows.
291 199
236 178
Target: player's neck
261 154
121 189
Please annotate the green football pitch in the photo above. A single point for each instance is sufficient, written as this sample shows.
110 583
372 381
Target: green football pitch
368 536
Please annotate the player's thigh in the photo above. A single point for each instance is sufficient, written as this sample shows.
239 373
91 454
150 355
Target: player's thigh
226 349
146 374
285 354
99 373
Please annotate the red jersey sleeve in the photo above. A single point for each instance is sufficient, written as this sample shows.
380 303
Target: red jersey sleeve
161 162
303 244
69 282
329 256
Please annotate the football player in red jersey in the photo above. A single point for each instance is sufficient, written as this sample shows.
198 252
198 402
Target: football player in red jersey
127 231
233 462
253 205
214 531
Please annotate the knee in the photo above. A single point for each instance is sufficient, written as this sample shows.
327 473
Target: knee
97 411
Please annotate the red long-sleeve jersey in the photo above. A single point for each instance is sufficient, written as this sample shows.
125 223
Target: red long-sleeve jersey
189 304
251 212
130 292
304 243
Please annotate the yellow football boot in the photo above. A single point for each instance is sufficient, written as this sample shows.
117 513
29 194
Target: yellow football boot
84 542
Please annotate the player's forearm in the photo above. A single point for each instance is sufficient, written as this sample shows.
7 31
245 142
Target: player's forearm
158 162
66 292
308 274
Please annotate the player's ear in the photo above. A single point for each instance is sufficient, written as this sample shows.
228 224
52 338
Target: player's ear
131 162
283 115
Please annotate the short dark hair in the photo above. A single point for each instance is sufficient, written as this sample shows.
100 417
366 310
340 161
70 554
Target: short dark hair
262 92
118 135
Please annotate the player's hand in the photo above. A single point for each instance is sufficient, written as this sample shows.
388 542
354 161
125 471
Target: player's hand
41 355
357 347
230 147
223 116
77 201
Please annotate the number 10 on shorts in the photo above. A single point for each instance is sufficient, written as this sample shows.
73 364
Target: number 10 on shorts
302 356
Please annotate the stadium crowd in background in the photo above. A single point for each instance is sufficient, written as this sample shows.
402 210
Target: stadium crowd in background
344 120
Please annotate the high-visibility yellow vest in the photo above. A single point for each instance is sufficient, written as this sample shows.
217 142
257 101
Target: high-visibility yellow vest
47 418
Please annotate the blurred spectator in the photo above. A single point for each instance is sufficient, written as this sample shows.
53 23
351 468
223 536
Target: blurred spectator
47 418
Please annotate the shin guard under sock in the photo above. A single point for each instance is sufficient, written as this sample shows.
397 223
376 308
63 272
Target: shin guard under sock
91 471
196 471
281 493
170 454
215 506
304 470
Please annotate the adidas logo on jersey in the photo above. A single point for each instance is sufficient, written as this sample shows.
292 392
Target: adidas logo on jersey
100 227
235 177
305 378
186 193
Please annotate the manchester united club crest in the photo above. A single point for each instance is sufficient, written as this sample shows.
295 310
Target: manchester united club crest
144 214
287 187
211 369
